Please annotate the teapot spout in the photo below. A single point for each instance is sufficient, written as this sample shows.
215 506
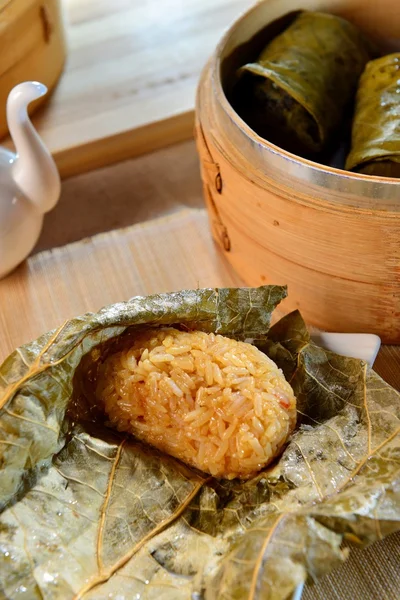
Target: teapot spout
34 170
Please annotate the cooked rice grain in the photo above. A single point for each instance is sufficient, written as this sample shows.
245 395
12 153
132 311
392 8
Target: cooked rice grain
215 403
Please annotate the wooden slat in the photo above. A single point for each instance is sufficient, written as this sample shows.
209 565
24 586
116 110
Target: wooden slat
130 78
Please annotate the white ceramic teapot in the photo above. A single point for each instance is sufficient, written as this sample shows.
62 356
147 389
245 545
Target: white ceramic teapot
29 181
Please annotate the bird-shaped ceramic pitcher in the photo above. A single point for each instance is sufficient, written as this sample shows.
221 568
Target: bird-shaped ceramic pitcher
29 180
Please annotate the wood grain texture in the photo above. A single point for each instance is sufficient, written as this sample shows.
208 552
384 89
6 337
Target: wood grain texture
32 46
342 267
337 249
130 78
167 254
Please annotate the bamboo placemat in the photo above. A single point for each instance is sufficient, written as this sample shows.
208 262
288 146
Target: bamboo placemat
165 255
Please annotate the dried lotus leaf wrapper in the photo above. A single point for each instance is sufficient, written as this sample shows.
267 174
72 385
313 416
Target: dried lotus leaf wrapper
38 381
115 517
376 126
217 404
296 93
382 168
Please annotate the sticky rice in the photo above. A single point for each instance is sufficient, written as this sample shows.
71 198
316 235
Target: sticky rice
217 404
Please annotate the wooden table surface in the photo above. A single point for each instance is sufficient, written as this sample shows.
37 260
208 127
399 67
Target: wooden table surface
130 77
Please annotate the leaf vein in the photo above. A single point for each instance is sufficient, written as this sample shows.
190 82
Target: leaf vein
98 579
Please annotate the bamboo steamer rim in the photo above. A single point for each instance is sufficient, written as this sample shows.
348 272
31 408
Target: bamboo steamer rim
215 69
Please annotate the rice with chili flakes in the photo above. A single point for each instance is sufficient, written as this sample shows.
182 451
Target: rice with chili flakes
215 403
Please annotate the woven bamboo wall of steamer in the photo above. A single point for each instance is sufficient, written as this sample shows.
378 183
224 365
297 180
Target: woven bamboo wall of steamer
32 46
340 257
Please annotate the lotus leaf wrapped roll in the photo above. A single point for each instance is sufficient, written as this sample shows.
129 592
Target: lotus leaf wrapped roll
296 93
215 403
375 146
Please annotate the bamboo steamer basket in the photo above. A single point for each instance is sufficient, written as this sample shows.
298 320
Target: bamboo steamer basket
32 47
333 237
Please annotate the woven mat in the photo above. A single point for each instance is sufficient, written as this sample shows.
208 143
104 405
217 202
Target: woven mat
165 255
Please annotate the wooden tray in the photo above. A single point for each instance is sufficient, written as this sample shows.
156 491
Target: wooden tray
130 78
